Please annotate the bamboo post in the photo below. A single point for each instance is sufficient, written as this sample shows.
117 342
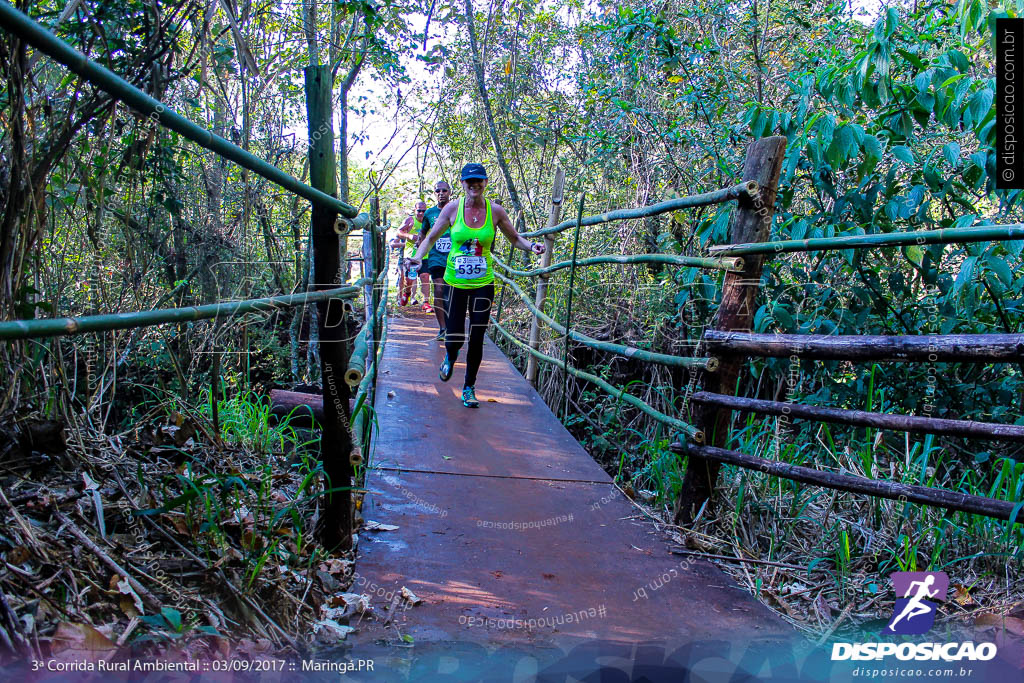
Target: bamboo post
376 263
750 222
555 213
568 303
335 439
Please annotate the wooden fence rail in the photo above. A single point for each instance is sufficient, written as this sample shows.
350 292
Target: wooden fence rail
961 348
861 418
912 493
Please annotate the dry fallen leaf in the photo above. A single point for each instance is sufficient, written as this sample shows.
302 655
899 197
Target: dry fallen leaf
410 597
328 630
822 606
81 642
492 400
1011 624
133 601
335 565
961 595
353 603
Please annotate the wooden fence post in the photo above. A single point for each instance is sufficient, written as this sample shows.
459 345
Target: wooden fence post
335 529
554 215
750 222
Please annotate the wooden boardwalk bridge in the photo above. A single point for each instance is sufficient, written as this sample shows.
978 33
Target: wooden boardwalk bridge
509 531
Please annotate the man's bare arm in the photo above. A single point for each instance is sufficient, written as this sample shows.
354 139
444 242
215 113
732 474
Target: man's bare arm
444 221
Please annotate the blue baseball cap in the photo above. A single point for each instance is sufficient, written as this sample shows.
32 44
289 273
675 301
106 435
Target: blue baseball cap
470 171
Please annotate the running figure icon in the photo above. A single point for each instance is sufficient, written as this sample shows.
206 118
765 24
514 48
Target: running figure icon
918 593
915 607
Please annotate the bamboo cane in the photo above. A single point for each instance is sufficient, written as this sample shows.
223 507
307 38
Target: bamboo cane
568 302
620 394
52 327
981 233
557 194
716 197
709 364
360 347
364 393
733 264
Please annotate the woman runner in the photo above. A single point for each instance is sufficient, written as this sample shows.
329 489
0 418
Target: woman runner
469 270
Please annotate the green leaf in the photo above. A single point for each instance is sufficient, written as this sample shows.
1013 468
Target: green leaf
951 152
964 276
998 265
914 254
979 107
904 154
872 148
172 616
782 316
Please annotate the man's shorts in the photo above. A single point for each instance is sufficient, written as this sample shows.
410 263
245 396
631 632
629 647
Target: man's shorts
437 272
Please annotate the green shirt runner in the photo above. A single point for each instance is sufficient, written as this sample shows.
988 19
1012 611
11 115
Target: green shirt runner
469 262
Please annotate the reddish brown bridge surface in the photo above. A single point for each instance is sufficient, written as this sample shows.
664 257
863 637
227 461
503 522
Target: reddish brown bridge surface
510 532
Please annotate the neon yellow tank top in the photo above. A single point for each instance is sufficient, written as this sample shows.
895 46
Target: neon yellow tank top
410 244
469 262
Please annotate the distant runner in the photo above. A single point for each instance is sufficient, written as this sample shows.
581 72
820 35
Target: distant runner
469 269
409 236
439 255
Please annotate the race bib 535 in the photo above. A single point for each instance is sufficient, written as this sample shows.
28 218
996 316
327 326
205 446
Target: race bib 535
470 267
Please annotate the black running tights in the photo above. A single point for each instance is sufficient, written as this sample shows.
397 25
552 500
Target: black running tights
477 302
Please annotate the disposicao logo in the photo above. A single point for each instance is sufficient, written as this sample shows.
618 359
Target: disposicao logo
914 614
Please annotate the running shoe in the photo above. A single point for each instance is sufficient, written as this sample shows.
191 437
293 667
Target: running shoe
469 398
440 337
427 308
446 369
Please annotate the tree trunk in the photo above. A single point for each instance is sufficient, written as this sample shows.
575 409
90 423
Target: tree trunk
336 439
751 222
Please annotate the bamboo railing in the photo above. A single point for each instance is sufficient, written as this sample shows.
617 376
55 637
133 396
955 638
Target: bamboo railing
747 189
982 233
52 327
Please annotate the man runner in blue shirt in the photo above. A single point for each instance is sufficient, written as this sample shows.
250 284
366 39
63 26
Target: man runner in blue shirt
438 257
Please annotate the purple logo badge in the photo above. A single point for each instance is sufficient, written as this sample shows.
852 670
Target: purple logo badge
919 593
